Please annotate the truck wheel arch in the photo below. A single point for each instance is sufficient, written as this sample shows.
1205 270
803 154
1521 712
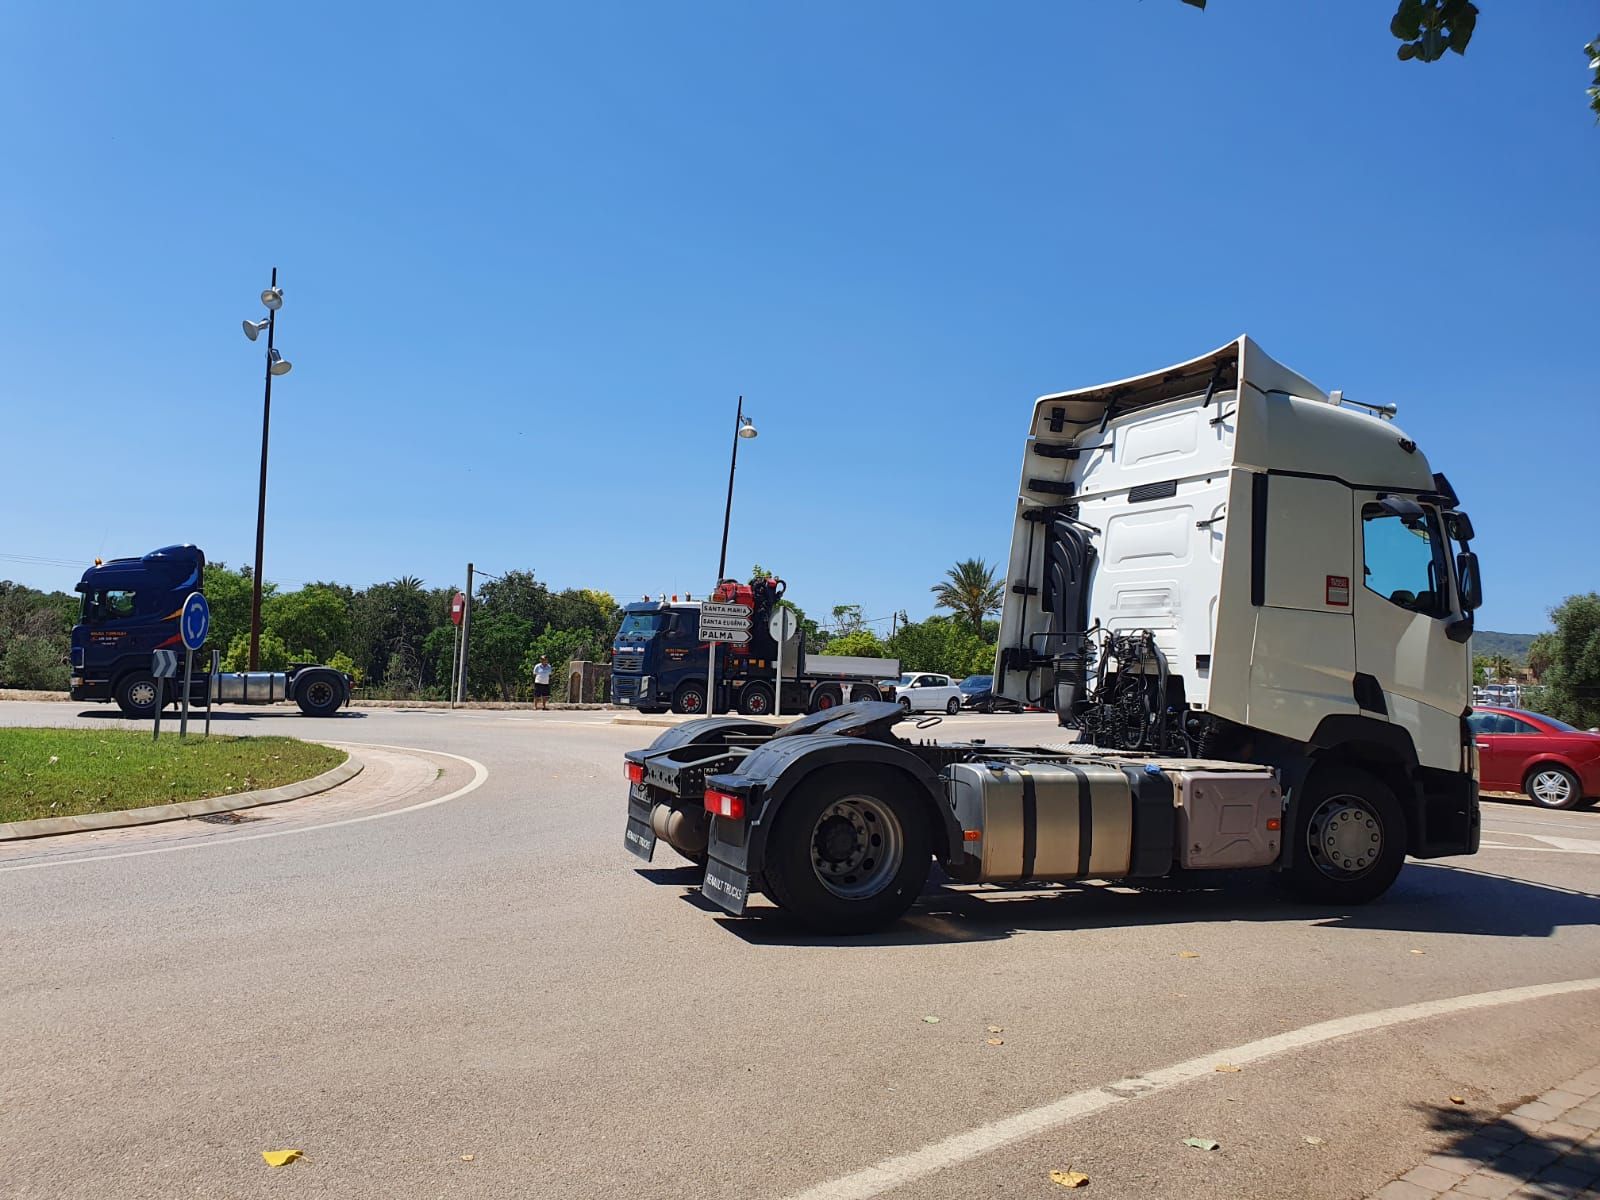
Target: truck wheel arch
1382 749
918 777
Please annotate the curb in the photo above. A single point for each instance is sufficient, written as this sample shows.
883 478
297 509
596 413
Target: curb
84 822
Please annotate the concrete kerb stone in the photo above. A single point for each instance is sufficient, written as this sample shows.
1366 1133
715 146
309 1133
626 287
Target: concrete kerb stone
52 826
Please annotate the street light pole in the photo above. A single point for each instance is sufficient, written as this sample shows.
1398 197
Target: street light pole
261 502
727 512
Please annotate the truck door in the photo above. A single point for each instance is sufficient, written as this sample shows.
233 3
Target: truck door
1408 668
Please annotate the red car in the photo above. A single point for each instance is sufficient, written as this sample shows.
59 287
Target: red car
1555 765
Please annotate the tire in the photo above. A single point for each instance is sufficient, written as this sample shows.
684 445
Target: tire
865 832
1346 816
136 696
905 703
690 698
863 692
824 698
953 707
318 696
1552 786
755 700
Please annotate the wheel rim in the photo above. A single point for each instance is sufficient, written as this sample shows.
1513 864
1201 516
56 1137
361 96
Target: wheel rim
1344 837
953 707
1552 787
691 702
825 701
857 846
905 704
142 694
320 694
755 703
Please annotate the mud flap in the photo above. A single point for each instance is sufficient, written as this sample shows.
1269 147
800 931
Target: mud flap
639 839
726 887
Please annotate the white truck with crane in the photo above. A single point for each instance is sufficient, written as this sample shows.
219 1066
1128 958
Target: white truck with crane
1250 598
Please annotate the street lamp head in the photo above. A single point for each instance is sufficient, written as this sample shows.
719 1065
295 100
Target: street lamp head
278 364
252 329
272 297
747 429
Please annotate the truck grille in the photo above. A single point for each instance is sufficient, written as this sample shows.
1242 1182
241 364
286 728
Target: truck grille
631 663
623 688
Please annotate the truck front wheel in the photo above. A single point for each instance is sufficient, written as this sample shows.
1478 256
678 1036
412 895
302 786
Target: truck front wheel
136 696
1349 838
690 698
850 851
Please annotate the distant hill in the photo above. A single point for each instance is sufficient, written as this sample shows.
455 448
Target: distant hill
1513 645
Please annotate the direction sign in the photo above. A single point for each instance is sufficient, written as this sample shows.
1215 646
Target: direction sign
736 636
739 612
164 663
723 622
195 622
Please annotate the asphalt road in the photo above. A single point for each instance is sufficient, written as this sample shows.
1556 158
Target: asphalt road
471 990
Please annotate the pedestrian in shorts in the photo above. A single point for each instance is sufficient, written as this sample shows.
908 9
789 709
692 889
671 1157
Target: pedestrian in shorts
541 683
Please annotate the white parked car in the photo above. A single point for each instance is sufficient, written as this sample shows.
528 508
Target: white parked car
919 691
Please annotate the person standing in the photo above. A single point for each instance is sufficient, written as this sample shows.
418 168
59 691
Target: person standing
541 683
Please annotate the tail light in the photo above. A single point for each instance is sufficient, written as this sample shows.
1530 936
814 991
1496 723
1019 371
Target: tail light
634 771
724 804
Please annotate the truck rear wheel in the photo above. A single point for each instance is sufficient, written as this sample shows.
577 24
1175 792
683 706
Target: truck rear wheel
136 696
755 700
826 696
850 852
863 691
1349 838
690 698
318 697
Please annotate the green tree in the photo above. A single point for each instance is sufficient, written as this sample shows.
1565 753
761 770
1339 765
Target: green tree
33 662
385 618
1541 655
941 644
971 591
274 654
228 593
313 622
1572 681
847 619
1427 29
1482 668
496 652
860 643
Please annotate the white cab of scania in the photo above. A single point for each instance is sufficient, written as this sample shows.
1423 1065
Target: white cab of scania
1279 564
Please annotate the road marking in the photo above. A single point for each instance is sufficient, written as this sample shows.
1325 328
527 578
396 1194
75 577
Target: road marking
479 774
1555 845
961 1148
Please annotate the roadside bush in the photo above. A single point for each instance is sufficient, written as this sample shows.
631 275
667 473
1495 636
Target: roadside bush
34 662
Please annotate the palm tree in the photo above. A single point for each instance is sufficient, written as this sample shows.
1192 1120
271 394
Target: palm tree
969 590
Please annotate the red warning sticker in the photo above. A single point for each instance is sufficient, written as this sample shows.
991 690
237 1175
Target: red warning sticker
1339 590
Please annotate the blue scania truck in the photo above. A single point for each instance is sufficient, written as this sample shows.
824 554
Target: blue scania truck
131 608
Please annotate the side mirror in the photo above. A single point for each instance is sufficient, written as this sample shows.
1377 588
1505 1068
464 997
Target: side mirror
1459 526
1470 580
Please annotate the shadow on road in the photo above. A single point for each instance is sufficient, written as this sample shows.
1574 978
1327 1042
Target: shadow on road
220 716
1428 898
1562 1163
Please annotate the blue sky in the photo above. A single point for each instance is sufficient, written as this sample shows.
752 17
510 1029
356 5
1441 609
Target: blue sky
533 253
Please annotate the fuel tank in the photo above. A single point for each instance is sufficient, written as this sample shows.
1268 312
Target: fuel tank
250 687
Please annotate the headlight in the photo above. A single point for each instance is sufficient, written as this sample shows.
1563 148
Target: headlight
644 685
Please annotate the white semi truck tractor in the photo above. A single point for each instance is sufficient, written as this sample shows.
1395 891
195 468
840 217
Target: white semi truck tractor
1250 598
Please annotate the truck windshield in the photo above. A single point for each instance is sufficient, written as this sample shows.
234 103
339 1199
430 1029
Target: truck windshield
107 604
641 624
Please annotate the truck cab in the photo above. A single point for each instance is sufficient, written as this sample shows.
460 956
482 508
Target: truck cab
655 654
131 608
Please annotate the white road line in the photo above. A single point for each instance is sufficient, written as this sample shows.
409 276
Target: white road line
479 774
1558 846
960 1148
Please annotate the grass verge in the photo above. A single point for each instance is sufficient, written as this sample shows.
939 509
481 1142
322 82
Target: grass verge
66 772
